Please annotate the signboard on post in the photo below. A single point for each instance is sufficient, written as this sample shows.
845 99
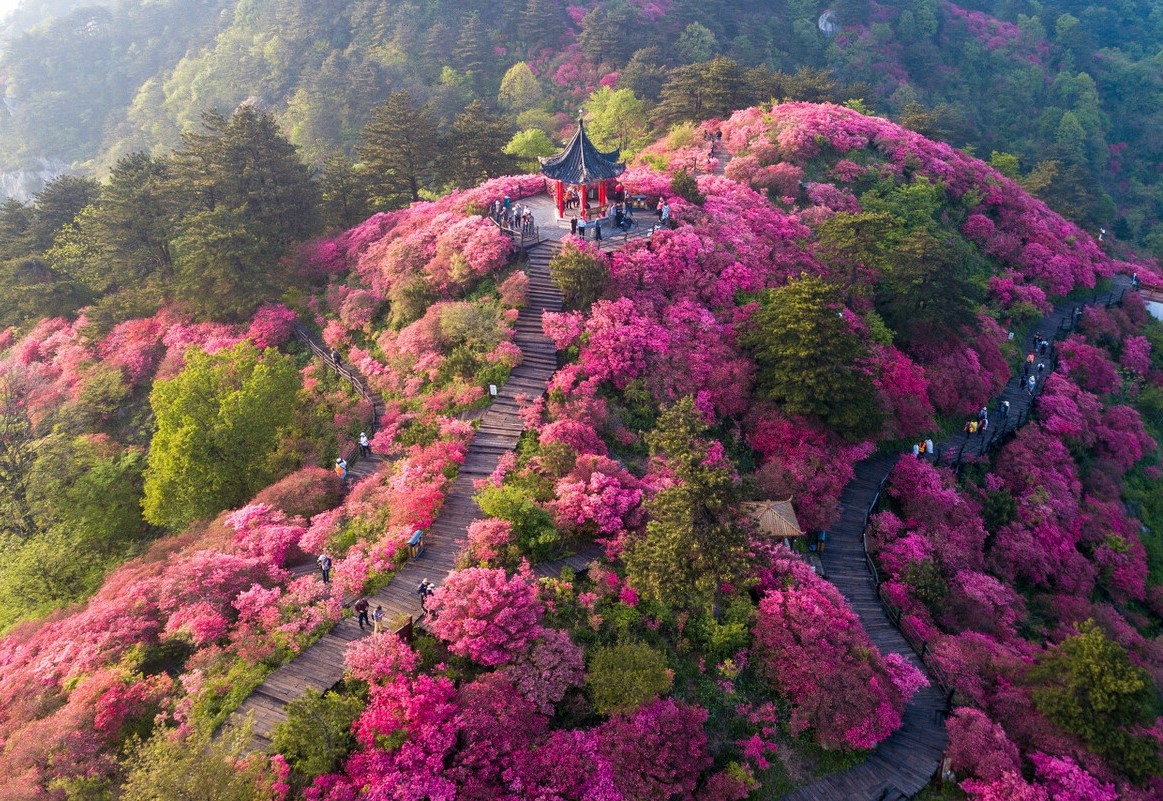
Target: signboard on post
493 390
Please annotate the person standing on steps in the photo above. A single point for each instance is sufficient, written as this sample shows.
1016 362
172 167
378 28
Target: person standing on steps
1031 383
664 215
1003 408
361 608
325 567
581 227
365 447
425 589
341 469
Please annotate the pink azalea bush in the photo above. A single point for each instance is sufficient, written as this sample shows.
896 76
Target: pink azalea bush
837 683
485 615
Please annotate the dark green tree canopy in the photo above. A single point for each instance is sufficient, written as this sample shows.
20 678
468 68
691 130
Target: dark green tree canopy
691 546
399 151
810 358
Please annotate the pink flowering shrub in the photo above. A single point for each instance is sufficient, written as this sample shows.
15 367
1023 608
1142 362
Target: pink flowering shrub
485 615
515 290
488 541
1087 365
1136 355
837 683
271 326
598 493
904 392
978 747
380 659
802 460
665 734
548 670
564 328
1022 232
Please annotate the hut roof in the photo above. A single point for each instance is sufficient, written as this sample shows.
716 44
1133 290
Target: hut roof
776 518
581 162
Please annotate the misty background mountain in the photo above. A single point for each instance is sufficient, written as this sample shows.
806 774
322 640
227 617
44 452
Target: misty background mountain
1066 92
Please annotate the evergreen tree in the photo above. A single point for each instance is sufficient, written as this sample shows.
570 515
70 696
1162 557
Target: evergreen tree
471 53
580 276
542 24
17 452
933 286
244 197
810 357
399 151
122 241
712 89
57 205
345 192
475 148
690 548
644 74
606 32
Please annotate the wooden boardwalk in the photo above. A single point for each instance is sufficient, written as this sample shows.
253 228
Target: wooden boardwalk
321 666
898 768
908 759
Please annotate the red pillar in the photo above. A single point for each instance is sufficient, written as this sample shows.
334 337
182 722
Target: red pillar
602 197
559 195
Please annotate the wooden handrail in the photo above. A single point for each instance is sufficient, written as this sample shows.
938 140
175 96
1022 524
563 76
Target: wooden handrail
349 375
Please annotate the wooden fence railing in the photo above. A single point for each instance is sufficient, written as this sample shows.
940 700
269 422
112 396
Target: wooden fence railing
347 374
998 437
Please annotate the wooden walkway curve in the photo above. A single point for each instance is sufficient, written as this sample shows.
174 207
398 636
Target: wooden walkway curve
898 768
907 760
321 666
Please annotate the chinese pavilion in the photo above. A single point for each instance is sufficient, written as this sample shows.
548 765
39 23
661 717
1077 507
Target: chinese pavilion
581 165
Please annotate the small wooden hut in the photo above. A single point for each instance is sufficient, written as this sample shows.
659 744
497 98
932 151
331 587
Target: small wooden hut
777 519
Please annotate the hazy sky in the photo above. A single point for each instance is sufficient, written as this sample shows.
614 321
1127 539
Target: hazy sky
7 6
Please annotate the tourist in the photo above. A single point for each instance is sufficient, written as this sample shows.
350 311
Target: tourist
377 619
425 589
365 447
325 567
361 608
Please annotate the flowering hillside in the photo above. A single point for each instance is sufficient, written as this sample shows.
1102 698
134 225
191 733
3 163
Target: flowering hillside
847 284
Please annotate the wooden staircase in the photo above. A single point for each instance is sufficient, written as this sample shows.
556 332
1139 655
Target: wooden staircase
320 667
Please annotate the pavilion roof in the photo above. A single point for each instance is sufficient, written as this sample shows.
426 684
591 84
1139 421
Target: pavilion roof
775 518
581 162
